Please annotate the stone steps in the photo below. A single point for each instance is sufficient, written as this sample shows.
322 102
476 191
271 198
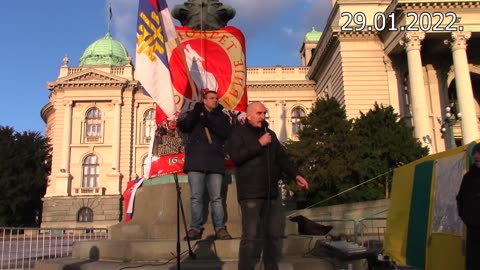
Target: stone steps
149 240
161 254
161 250
287 263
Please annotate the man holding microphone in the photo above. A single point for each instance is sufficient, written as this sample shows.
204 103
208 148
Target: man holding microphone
260 161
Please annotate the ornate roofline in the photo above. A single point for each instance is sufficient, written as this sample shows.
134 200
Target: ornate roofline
354 34
282 84
436 4
86 71
402 5
74 80
328 39
84 84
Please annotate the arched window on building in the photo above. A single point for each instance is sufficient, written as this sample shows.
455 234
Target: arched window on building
297 114
93 125
268 119
90 172
144 166
149 125
85 214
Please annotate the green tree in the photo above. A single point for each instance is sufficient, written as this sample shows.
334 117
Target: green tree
24 167
336 154
322 152
387 143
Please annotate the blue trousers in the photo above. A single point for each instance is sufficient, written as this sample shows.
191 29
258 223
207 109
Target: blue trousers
198 181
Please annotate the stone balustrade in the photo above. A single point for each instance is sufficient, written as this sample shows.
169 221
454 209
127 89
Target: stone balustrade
124 72
276 73
253 74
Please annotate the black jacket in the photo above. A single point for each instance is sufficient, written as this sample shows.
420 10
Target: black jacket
258 168
199 154
468 198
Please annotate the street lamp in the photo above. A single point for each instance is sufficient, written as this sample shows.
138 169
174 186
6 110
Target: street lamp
450 119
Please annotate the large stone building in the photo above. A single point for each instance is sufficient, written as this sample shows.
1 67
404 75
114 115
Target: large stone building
424 60
99 123
99 120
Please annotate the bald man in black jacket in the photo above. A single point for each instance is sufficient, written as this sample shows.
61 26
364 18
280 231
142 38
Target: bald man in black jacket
260 161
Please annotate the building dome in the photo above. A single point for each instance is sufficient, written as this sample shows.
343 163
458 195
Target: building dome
105 51
313 35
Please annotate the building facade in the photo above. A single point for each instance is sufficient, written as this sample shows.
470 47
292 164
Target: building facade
99 120
421 57
99 123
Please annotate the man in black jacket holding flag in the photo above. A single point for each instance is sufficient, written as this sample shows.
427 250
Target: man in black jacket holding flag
260 161
207 128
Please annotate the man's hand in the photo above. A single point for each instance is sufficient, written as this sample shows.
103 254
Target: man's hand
301 182
198 108
265 139
204 120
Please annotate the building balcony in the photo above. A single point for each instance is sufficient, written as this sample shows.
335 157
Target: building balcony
89 191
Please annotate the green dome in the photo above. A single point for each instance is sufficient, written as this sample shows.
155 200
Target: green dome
313 35
105 52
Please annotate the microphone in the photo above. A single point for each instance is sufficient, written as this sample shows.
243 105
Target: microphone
265 126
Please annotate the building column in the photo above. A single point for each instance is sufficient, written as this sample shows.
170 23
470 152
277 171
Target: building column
280 121
62 183
466 101
114 176
393 88
412 42
434 91
116 138
134 160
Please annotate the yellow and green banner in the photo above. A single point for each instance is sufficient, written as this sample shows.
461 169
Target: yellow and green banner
423 227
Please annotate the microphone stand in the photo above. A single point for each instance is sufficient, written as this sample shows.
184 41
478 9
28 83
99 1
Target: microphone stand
180 210
268 202
265 126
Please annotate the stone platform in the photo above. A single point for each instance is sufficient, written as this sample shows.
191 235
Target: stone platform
293 263
161 254
148 241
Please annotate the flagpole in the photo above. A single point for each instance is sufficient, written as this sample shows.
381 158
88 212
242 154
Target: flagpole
191 82
187 70
109 15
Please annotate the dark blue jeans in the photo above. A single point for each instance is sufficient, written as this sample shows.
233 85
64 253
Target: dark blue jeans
213 182
261 231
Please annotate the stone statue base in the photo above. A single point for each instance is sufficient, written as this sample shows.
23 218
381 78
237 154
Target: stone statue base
155 213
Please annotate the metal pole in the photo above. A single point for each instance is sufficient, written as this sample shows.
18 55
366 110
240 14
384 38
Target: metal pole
452 137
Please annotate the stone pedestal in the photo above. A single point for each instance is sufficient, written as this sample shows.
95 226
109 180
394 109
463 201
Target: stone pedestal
155 213
150 237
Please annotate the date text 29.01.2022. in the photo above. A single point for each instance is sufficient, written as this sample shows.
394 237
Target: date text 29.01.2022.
425 21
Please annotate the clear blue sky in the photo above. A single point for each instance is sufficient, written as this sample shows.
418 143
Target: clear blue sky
36 35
